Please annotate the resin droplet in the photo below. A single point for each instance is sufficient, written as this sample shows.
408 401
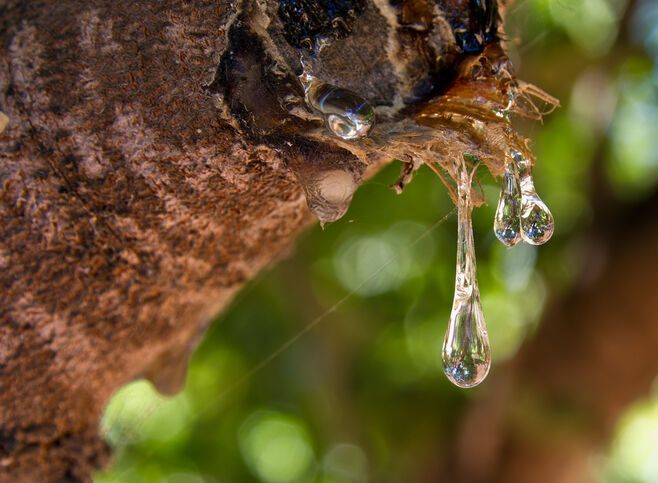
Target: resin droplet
329 193
466 352
536 219
507 225
347 115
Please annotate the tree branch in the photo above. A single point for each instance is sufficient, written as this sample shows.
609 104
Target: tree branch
156 157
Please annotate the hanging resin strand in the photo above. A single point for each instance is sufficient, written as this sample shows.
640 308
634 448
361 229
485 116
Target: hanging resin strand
536 219
507 223
346 114
466 352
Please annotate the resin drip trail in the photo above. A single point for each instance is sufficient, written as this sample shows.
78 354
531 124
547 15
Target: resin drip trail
466 351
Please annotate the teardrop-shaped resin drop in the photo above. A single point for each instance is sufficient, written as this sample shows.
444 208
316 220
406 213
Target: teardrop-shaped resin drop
537 222
347 115
466 353
329 193
507 225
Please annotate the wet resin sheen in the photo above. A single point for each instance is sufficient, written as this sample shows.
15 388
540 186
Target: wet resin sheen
466 353
346 114
536 219
507 223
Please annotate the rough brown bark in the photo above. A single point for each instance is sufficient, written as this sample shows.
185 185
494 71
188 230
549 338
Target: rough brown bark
153 161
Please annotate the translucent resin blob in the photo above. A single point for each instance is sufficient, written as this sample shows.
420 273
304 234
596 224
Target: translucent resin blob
536 219
346 114
507 223
466 352
329 193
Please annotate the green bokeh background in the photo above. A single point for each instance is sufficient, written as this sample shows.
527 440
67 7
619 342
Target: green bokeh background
361 395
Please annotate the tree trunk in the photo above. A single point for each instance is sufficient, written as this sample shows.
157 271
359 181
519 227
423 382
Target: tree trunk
156 157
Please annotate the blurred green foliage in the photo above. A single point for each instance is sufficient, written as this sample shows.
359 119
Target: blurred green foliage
361 397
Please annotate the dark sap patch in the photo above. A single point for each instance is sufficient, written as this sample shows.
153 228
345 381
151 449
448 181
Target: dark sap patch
474 27
250 87
307 21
